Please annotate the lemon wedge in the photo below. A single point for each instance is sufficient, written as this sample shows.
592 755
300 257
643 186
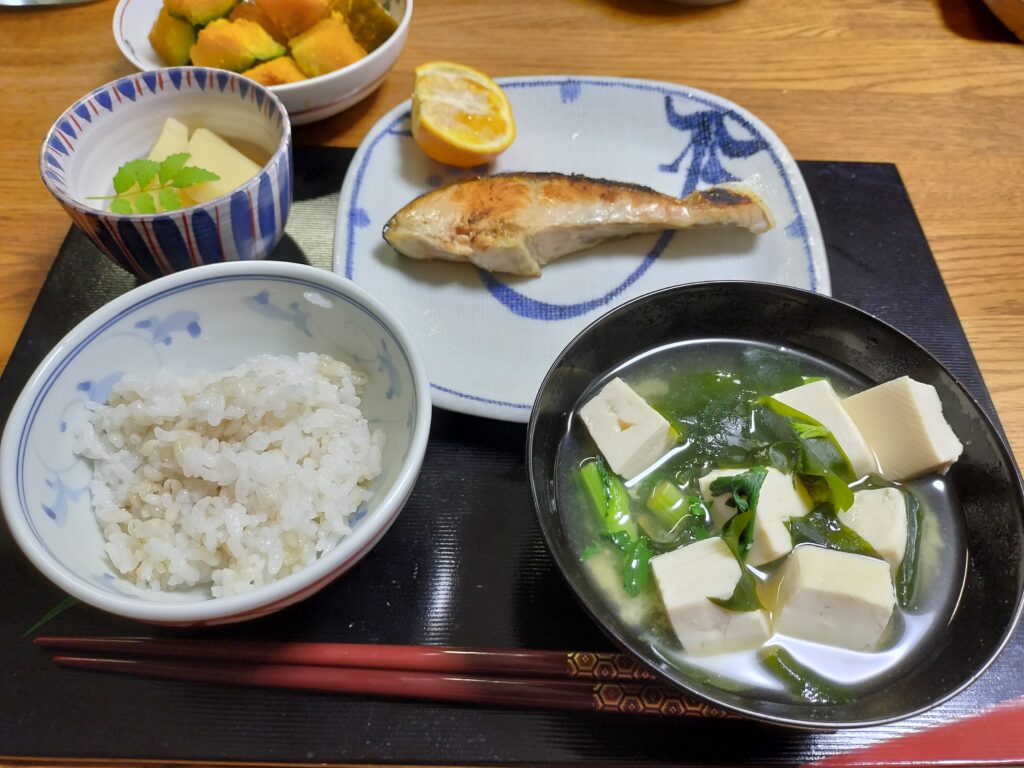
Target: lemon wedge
459 115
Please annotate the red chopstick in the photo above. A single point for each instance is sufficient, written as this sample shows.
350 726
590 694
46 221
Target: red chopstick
467 661
535 679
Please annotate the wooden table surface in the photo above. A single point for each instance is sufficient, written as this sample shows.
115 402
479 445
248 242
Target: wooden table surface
936 86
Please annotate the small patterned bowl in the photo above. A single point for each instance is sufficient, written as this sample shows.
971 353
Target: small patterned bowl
209 318
307 101
120 121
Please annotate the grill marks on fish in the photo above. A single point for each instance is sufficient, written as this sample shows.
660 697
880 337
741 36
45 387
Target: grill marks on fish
516 223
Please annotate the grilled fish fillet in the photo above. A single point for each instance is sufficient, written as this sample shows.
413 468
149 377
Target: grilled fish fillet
517 223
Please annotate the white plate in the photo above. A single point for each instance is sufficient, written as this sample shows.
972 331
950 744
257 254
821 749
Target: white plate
488 340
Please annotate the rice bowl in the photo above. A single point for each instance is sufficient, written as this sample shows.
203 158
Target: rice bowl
196 323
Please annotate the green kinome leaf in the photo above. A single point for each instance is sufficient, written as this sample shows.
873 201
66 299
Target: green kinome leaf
121 206
144 203
172 165
145 171
134 187
191 175
170 199
124 179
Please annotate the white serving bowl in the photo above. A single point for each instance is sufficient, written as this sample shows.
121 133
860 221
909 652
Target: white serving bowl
208 318
307 101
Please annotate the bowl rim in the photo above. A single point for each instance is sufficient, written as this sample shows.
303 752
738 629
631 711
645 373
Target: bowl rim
379 52
277 593
625 643
283 146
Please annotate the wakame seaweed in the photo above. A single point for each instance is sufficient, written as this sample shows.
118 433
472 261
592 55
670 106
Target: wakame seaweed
800 680
821 526
906 575
738 534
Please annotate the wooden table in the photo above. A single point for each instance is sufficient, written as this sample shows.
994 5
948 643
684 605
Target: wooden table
936 86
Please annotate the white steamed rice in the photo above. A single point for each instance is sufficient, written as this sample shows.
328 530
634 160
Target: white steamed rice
231 479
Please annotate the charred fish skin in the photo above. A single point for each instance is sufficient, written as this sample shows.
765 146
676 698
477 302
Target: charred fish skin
515 223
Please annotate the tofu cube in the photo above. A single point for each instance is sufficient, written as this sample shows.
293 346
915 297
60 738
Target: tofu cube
687 577
819 401
835 598
903 423
629 433
781 498
879 516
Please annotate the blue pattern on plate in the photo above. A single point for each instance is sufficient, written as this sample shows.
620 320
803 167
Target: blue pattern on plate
103 99
709 141
127 88
99 390
387 366
294 315
265 206
359 218
569 91
242 221
57 510
57 145
708 148
286 188
169 238
204 230
162 331
134 242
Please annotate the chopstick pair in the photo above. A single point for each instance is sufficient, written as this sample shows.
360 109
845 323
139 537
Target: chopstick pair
580 681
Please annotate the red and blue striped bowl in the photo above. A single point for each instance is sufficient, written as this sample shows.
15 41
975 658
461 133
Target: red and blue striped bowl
120 121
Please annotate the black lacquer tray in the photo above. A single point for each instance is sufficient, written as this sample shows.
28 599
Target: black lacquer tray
464 564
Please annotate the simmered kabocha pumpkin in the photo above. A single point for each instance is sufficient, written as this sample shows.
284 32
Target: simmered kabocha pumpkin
322 35
234 45
172 38
199 12
277 72
252 12
328 46
371 25
293 17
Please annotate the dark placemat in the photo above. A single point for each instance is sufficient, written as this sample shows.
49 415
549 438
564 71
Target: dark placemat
463 565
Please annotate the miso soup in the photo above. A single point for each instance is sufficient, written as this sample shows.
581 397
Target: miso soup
709 390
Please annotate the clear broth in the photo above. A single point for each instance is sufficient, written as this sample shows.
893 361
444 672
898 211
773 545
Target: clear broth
671 377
